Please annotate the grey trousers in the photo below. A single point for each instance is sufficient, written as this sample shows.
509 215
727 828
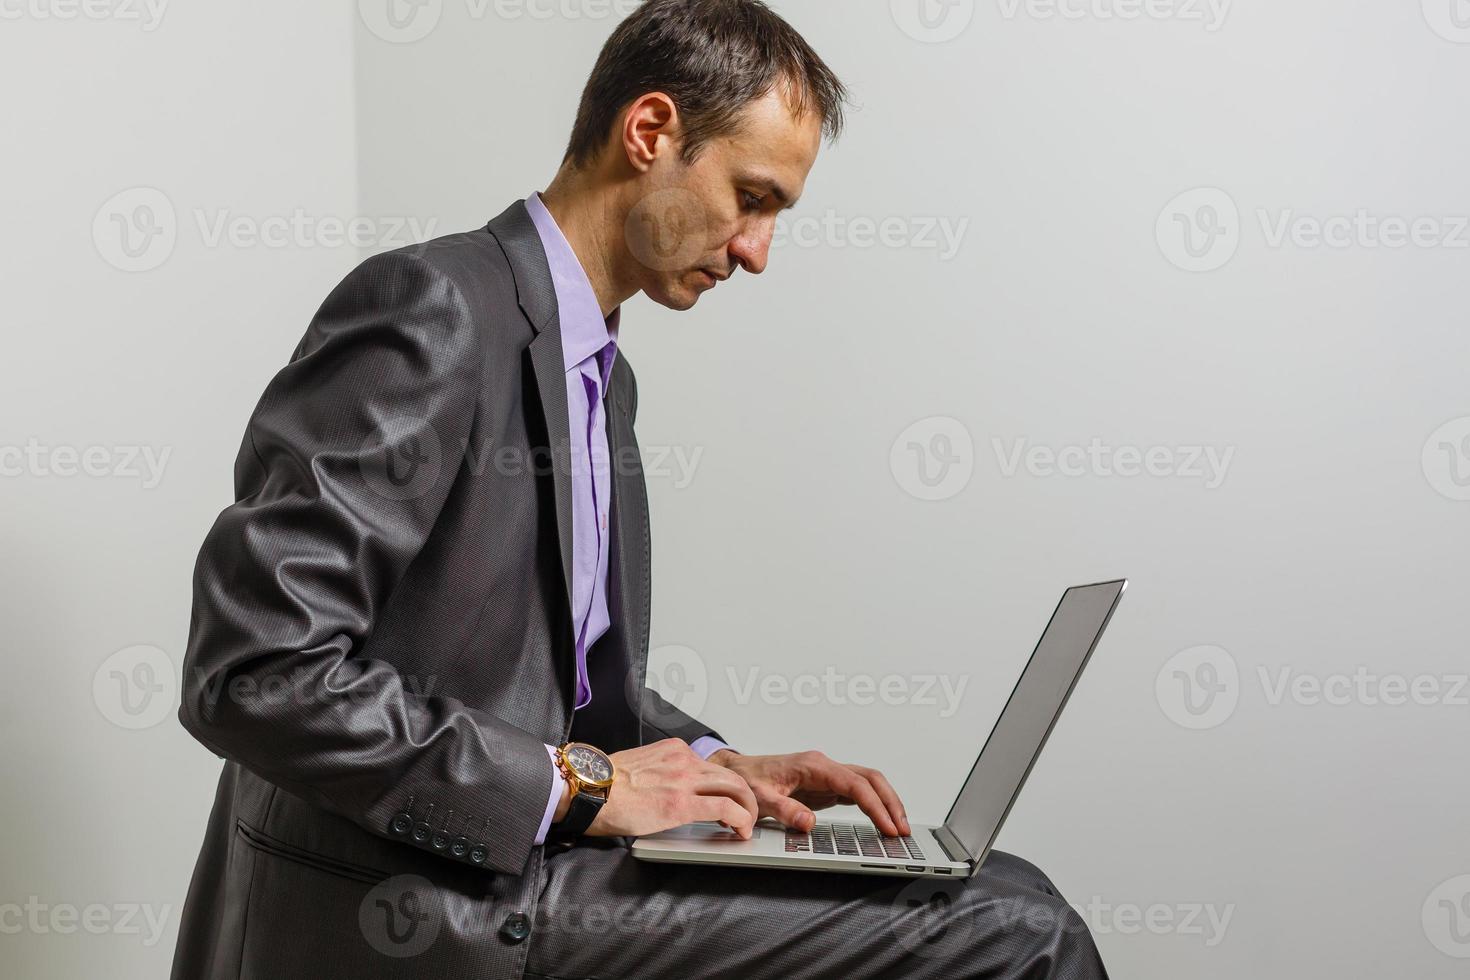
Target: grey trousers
605 915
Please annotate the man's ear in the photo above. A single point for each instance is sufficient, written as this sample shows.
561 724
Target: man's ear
650 127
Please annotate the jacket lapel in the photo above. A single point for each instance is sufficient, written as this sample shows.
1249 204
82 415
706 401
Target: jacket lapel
628 585
616 664
521 244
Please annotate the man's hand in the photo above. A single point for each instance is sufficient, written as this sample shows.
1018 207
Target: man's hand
666 785
790 787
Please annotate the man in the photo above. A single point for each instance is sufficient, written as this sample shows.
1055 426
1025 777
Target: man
435 580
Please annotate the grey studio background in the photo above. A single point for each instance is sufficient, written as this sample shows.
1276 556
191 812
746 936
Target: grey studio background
1171 289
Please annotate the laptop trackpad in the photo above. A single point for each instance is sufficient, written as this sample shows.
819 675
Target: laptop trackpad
704 832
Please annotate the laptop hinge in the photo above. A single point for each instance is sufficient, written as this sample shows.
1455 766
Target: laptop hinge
952 845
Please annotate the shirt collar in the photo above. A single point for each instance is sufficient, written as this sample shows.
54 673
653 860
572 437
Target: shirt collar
584 332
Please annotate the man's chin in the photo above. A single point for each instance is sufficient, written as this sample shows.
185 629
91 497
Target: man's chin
677 299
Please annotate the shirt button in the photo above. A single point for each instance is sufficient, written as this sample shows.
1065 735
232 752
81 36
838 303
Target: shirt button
516 927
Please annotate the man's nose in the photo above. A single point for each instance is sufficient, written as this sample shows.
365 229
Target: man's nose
752 250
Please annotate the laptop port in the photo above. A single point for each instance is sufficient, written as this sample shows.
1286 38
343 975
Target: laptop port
945 871
913 867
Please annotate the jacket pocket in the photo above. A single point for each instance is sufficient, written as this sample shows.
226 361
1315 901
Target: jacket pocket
265 843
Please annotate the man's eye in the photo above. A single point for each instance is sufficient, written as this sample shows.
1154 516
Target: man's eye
750 201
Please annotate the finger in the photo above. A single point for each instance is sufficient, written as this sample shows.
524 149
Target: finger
793 814
717 781
861 792
724 810
888 795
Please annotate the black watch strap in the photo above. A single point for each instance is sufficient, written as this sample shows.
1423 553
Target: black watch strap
580 814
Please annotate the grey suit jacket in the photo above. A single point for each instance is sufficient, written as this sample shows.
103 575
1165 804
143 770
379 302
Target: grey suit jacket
381 636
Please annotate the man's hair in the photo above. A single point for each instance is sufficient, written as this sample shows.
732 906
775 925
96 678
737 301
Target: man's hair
712 57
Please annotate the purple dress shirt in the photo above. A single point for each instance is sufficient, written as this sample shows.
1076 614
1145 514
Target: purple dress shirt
589 346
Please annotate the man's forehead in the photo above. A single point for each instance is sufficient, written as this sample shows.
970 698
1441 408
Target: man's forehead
774 149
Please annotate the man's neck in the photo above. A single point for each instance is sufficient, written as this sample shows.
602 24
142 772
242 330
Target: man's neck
589 220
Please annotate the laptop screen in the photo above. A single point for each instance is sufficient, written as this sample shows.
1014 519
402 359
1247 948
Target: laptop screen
1029 714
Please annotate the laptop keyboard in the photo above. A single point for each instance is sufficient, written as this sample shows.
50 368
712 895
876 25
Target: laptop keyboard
855 839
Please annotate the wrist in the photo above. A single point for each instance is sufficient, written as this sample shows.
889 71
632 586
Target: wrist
563 801
722 757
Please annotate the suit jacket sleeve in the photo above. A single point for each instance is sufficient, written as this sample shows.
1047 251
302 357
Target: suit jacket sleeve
344 467
659 718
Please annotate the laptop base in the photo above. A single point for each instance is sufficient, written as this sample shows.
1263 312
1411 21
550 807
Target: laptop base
769 847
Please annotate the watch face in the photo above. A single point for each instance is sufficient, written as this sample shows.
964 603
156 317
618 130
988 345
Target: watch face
589 765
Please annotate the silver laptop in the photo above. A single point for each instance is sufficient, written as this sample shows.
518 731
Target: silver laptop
959 846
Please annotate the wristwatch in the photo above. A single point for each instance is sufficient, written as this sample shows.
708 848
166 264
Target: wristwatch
590 774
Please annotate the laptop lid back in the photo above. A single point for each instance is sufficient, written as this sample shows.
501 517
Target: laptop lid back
1029 715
